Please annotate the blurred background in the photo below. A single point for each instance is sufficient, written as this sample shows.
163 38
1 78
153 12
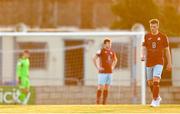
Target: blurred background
61 65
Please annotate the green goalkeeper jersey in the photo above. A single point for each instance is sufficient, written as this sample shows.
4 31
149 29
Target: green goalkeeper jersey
23 68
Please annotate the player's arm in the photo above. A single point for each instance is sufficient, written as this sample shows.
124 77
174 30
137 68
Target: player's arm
144 50
18 71
94 61
143 53
167 53
114 62
168 56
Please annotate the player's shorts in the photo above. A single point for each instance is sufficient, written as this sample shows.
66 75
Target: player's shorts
104 78
154 71
25 83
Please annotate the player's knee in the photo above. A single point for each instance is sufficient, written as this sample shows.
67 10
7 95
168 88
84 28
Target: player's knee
150 83
100 87
25 91
156 79
106 86
156 83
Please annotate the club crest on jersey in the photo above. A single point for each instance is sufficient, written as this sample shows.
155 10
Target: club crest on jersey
149 38
159 39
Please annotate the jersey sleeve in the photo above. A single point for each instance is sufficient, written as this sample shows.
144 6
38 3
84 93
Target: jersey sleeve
18 68
165 41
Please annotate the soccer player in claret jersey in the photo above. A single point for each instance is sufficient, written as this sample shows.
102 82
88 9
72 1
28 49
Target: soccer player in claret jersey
22 71
105 66
154 45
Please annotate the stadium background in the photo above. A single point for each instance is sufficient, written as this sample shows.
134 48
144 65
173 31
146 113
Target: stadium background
59 86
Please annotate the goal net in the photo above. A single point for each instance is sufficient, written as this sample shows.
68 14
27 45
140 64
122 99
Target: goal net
65 59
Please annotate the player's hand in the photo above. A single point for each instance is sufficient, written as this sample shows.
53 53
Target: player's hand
143 58
113 67
100 68
169 67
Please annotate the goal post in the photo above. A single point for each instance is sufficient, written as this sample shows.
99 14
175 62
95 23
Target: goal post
55 58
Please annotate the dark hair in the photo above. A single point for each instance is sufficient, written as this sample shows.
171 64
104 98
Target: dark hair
26 51
22 52
154 21
107 40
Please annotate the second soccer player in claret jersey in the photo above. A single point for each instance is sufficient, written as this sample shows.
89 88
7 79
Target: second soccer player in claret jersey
105 66
154 45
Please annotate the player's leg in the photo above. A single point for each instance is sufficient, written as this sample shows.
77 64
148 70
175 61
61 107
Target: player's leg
156 81
105 93
27 94
156 96
149 76
22 95
24 90
100 87
157 71
106 87
27 91
150 85
99 93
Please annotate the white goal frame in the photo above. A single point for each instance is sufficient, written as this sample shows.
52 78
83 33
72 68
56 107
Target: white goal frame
102 34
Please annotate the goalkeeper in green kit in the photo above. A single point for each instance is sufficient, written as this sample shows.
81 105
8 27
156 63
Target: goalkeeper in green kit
22 71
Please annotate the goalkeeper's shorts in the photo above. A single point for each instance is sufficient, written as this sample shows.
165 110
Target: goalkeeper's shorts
25 83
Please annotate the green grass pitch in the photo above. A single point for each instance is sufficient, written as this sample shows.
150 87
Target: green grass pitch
90 109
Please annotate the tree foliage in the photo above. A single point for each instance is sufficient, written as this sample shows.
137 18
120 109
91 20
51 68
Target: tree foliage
129 12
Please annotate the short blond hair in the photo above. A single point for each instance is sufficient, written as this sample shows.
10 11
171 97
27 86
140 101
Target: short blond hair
154 21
